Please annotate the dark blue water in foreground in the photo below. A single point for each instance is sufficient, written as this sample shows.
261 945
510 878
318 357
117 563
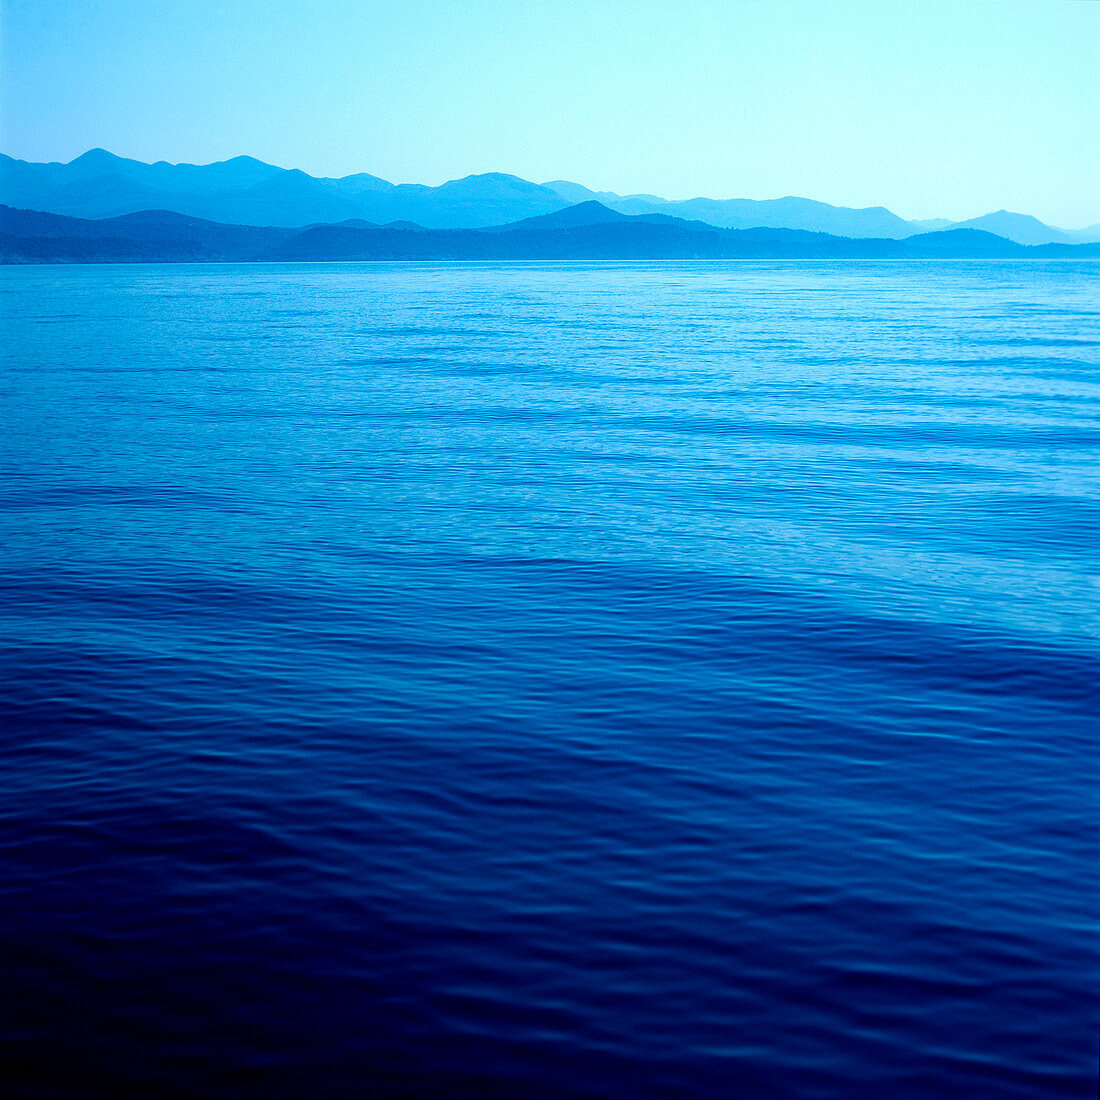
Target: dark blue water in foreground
539 681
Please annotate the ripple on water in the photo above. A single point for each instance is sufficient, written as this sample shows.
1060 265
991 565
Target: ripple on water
550 680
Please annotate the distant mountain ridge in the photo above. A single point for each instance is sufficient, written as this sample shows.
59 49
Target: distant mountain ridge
786 213
246 191
586 231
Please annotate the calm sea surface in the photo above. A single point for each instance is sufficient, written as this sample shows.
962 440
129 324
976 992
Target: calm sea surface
536 681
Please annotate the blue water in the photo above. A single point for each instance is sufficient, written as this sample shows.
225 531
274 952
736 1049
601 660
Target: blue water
634 680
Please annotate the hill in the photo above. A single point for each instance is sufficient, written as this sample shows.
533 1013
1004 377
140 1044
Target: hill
246 191
31 236
799 213
586 231
1022 228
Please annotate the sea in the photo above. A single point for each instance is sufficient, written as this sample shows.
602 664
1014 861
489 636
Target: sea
656 681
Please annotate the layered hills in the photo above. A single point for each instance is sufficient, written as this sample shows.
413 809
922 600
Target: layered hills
247 192
584 231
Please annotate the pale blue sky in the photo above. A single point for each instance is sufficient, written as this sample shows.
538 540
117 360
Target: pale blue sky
932 109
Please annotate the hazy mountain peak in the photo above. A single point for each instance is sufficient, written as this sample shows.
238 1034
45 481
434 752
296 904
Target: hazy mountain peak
1022 228
590 212
245 190
358 182
492 180
95 155
573 192
500 176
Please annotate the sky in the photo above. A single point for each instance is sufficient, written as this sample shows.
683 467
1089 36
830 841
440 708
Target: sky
933 109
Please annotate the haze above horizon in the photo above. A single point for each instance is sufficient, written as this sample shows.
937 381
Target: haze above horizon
932 110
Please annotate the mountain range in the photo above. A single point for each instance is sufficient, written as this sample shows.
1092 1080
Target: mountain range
247 192
585 231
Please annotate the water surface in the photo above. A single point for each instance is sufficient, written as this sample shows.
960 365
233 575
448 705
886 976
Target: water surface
599 680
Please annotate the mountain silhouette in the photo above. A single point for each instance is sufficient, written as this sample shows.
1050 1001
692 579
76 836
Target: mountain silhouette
1084 236
152 235
246 191
1022 228
819 217
584 213
786 213
586 231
